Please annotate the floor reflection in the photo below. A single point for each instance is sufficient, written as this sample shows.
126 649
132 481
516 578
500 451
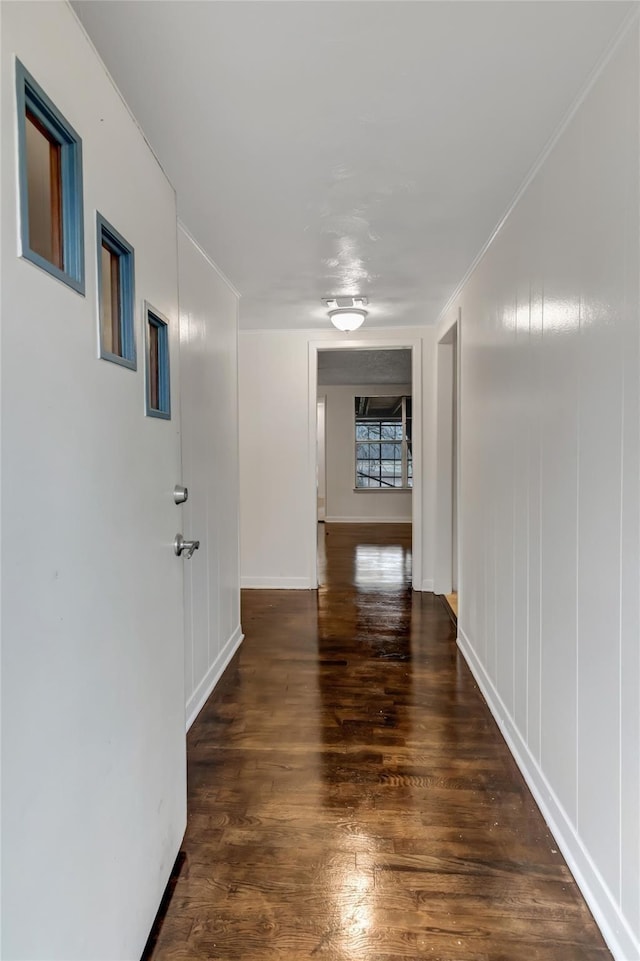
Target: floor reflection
370 557
350 797
365 612
364 642
378 567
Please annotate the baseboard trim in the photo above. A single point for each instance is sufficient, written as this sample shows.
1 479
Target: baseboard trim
427 585
616 931
367 520
204 689
276 583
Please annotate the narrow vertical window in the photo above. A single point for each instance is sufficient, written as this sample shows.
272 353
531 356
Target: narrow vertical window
116 296
158 393
50 172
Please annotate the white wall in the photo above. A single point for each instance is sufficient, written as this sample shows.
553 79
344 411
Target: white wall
344 504
273 459
93 747
276 505
209 379
549 500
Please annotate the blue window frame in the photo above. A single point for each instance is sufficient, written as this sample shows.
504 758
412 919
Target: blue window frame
158 391
50 184
115 296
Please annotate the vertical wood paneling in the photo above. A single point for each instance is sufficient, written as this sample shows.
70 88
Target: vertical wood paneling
605 179
549 513
521 493
187 334
559 470
208 357
630 565
534 560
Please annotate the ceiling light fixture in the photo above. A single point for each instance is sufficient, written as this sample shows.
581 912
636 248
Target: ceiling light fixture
347 313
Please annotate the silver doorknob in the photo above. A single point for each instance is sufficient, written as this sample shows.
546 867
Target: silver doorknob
181 546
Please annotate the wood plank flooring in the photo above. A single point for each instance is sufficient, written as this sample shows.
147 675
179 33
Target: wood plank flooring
350 797
452 601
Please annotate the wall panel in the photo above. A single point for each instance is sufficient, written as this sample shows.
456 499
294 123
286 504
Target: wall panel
209 367
549 611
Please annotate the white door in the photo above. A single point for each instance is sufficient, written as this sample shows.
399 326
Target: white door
93 726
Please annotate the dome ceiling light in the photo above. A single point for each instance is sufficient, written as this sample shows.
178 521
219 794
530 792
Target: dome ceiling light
347 313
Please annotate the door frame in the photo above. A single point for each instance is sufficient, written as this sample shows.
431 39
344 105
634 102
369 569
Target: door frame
321 477
414 344
447 351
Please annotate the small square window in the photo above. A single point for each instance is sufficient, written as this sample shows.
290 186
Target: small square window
50 180
115 296
158 383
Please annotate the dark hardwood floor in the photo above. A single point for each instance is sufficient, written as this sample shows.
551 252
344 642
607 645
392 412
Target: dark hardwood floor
350 796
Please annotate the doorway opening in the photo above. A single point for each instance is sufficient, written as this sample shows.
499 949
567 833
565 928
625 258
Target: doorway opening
448 394
366 446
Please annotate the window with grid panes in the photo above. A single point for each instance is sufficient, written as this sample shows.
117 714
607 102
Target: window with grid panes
383 443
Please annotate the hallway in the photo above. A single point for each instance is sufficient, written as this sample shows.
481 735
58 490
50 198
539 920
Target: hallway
350 796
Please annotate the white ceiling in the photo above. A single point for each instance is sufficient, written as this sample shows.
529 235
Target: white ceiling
325 148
